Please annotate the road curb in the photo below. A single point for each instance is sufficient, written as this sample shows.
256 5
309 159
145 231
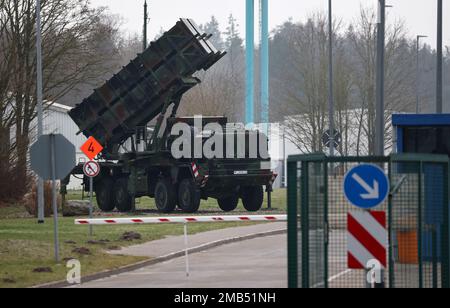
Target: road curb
178 254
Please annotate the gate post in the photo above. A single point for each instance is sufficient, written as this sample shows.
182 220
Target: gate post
391 262
445 238
419 225
292 225
326 223
305 223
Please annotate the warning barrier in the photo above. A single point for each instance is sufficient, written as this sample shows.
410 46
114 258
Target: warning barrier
179 219
367 239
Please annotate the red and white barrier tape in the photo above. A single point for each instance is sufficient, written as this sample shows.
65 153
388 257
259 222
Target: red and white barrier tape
163 220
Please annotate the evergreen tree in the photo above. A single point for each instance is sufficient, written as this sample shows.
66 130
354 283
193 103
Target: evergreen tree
233 40
212 27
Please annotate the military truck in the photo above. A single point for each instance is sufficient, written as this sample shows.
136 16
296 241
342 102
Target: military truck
132 116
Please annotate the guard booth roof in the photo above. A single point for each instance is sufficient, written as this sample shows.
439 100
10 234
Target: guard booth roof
137 94
422 133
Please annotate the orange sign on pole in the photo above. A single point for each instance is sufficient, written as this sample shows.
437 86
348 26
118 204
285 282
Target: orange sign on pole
91 148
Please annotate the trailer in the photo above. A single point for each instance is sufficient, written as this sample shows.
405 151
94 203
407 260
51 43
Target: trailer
133 116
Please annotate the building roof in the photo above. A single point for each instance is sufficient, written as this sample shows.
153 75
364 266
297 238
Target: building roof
421 119
57 107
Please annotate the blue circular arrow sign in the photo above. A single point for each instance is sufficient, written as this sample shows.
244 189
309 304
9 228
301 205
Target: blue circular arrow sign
366 186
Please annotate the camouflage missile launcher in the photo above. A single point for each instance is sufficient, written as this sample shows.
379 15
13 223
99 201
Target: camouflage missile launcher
137 160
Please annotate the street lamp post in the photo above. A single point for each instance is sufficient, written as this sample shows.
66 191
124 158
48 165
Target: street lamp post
284 178
439 82
379 130
330 76
418 72
144 42
380 107
39 97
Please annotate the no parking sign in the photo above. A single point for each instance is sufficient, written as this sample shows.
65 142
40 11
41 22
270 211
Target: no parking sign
91 169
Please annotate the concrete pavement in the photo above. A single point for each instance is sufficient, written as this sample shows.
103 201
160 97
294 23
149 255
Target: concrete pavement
173 244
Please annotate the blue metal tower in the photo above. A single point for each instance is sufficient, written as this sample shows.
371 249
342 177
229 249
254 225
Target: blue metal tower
250 62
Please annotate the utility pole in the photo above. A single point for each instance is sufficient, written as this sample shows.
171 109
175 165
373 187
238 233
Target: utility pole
39 97
330 77
418 72
264 27
439 106
145 26
379 129
250 61
284 178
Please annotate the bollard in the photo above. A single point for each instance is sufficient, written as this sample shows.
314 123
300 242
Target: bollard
186 247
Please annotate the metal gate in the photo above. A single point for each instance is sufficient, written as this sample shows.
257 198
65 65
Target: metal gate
417 222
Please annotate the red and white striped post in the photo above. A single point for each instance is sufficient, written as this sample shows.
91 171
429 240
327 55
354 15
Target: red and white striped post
179 219
367 243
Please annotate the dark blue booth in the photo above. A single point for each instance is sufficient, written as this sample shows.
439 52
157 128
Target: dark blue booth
422 133
426 134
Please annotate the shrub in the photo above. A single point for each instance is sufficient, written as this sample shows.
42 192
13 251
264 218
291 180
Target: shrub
30 200
12 188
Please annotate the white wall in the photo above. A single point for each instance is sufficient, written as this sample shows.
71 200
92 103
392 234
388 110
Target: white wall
57 121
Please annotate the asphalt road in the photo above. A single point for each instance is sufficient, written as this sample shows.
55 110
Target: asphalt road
257 263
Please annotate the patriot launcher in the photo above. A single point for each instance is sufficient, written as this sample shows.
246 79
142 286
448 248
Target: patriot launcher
137 160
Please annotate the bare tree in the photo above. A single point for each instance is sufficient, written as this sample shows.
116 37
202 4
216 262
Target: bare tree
304 86
343 91
105 47
399 72
6 111
129 47
221 92
299 81
72 54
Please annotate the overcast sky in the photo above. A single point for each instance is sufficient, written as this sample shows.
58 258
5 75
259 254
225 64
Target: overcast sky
419 15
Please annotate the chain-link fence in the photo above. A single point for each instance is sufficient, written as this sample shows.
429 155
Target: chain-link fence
416 211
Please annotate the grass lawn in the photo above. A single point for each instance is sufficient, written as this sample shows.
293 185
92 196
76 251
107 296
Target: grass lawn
25 245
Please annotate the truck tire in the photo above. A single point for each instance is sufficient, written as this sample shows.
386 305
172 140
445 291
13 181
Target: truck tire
122 197
252 198
228 204
104 194
189 196
165 196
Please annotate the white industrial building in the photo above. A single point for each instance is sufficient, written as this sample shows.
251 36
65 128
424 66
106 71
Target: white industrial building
58 121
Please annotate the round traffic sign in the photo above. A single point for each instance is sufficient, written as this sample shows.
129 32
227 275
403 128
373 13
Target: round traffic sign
91 169
327 138
366 186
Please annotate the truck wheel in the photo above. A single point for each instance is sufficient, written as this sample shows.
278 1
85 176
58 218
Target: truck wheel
188 196
228 204
104 194
122 196
252 198
165 196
